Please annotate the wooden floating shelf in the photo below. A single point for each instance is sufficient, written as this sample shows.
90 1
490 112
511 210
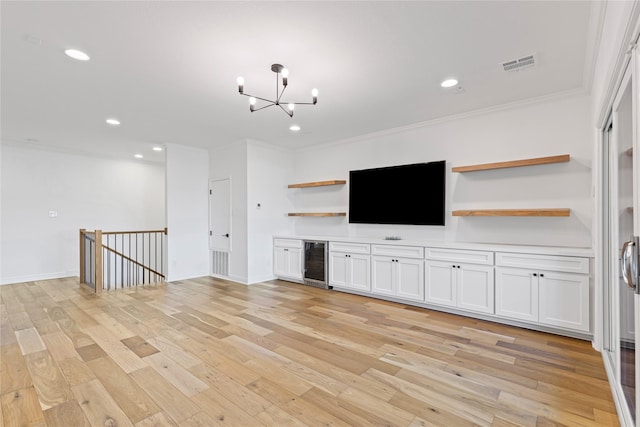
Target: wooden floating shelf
513 164
318 183
317 214
513 212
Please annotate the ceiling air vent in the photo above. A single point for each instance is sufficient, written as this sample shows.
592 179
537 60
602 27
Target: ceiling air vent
520 63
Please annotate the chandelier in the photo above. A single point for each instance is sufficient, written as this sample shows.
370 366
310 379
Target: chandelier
279 70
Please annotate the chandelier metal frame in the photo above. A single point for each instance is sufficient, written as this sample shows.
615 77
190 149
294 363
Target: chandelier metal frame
278 102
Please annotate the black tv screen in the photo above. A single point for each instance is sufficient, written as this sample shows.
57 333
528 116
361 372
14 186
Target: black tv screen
408 194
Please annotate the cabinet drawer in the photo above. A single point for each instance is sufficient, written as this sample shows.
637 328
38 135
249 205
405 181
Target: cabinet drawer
400 251
287 243
543 262
471 257
354 248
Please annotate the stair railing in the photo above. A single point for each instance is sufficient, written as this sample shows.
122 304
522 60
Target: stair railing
122 259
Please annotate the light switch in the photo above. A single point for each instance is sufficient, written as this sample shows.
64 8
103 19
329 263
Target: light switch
53 214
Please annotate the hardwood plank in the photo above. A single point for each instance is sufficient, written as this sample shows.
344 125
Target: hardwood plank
225 386
181 379
173 350
98 406
222 411
133 401
29 341
14 374
139 346
51 386
66 414
60 346
75 371
157 420
175 404
120 353
21 408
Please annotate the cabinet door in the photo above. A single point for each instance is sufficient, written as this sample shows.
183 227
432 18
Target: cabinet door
382 275
440 283
474 284
359 272
564 300
294 263
280 261
410 278
338 269
517 294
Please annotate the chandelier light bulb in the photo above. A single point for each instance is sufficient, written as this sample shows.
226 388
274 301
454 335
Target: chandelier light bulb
314 93
240 81
252 103
285 74
291 106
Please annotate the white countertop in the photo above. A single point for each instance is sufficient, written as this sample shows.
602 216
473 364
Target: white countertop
499 247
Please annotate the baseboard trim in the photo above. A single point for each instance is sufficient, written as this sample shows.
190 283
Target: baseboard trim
34 277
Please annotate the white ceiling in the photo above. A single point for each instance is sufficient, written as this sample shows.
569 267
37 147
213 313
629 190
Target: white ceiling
168 70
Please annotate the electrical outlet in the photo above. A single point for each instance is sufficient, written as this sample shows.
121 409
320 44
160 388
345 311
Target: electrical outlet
53 214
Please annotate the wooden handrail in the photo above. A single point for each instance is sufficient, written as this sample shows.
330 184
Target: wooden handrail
132 260
135 232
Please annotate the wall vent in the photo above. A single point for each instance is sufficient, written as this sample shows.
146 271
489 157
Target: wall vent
220 264
516 65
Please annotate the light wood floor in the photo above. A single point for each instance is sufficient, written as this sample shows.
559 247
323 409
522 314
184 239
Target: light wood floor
206 352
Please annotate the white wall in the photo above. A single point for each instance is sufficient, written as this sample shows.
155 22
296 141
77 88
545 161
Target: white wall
86 192
269 171
231 162
187 188
544 128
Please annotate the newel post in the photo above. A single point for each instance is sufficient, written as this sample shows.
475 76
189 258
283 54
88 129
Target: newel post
98 260
82 260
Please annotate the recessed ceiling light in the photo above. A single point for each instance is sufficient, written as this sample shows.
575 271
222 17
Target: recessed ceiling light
77 54
294 128
449 83
113 122
157 148
138 156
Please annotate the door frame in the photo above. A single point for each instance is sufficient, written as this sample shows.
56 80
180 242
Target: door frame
626 59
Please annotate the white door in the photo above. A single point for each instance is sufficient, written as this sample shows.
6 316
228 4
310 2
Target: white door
440 283
338 269
220 215
382 272
621 226
475 288
517 293
360 272
564 300
410 278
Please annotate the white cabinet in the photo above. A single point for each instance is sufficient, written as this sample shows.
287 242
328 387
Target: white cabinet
399 277
465 286
287 259
350 271
557 298
350 265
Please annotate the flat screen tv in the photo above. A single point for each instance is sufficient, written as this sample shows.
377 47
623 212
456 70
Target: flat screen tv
407 194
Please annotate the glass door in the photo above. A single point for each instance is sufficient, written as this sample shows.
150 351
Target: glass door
620 219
